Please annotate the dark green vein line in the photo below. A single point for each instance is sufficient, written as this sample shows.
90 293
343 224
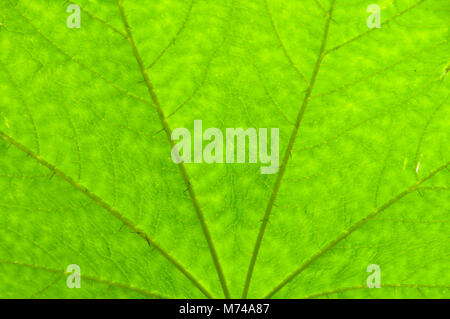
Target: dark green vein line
25 104
174 39
434 188
381 71
318 4
381 175
352 229
422 135
181 166
93 279
31 241
324 11
36 294
287 155
206 70
80 63
76 142
107 207
202 82
269 95
282 44
344 289
123 35
371 30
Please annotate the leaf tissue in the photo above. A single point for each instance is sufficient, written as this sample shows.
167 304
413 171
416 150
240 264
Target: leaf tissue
93 206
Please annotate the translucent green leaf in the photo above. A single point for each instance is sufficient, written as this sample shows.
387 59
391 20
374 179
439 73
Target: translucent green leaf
86 175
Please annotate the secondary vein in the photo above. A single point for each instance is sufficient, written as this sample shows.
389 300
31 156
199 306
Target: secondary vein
107 207
344 289
93 279
181 166
347 232
287 154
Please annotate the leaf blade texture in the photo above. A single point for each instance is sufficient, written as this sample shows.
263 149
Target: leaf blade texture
85 170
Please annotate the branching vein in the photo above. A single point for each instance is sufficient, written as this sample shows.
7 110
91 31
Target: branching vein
181 166
287 155
109 208
352 229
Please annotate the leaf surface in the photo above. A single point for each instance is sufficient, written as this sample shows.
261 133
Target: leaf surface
86 175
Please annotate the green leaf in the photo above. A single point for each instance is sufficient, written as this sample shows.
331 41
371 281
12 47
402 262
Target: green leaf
86 175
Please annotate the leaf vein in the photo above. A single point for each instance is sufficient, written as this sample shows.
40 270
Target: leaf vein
352 229
181 166
371 30
287 154
93 279
174 39
108 208
272 22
